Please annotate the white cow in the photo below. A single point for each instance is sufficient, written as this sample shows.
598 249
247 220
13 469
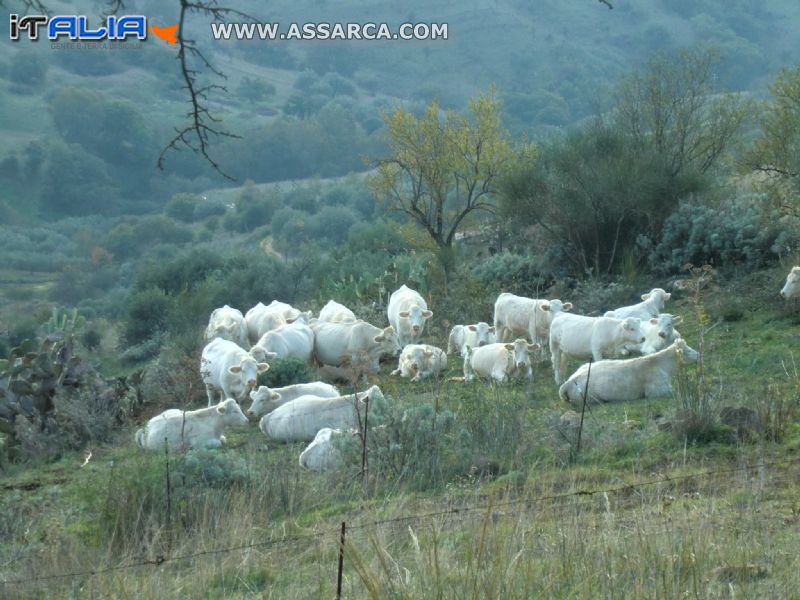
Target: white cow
407 312
192 428
520 316
589 337
267 399
651 306
229 371
659 332
792 288
260 319
333 312
301 419
292 340
322 454
474 336
356 344
228 324
499 361
632 379
420 361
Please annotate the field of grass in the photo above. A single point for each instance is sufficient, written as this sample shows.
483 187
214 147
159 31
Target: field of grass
496 504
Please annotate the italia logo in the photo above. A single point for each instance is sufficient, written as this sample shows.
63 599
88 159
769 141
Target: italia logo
77 27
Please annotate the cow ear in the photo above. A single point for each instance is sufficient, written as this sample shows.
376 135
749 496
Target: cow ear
290 321
221 408
544 307
428 353
567 306
403 314
274 396
533 347
270 355
645 296
427 314
677 320
262 367
235 369
472 328
509 346
379 338
491 329
654 321
667 296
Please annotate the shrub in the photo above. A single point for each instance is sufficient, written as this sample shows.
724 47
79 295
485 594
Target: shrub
743 234
208 208
515 273
181 207
147 315
285 371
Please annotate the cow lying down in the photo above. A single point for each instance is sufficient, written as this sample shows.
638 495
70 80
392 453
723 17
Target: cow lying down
182 430
632 379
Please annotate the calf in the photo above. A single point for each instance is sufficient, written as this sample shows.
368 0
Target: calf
632 379
499 361
518 316
266 399
323 454
192 428
474 336
589 337
420 361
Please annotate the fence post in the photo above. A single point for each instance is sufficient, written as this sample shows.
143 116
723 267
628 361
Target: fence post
169 497
364 439
583 408
341 564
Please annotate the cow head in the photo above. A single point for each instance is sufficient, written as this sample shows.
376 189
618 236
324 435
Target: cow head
520 350
684 352
657 297
261 355
389 342
230 412
632 330
248 370
792 288
416 316
484 331
556 306
666 324
262 398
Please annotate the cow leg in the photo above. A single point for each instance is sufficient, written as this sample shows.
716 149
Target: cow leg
211 392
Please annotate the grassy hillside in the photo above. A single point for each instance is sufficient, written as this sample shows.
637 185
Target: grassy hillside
497 503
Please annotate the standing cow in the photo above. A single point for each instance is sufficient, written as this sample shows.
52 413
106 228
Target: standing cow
589 337
521 316
292 340
499 361
407 312
260 319
229 371
356 344
227 323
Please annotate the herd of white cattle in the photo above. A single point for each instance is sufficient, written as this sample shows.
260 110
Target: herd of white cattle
239 347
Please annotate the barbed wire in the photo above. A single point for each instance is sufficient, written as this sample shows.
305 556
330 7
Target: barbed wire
456 510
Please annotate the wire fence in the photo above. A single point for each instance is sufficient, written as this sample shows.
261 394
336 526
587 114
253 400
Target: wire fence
458 513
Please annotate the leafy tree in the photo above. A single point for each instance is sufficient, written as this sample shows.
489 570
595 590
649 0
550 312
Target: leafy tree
443 167
181 207
672 108
776 152
255 90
